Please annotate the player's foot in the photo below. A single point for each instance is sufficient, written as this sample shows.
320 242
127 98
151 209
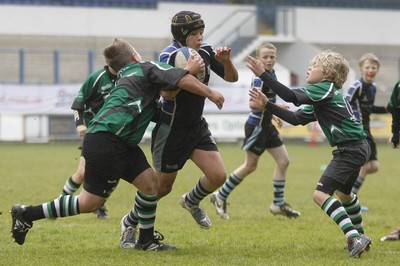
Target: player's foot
102 212
395 235
220 206
155 244
284 209
128 235
20 226
364 209
197 212
358 245
346 247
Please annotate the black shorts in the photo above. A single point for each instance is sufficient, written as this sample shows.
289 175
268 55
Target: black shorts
342 171
108 159
257 138
172 147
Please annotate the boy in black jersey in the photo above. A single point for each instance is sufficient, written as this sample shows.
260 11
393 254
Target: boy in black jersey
260 135
182 132
361 96
324 103
110 145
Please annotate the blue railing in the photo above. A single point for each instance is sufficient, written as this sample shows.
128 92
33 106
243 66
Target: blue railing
45 66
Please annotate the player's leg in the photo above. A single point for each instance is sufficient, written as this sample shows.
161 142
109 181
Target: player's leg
146 206
23 216
279 205
339 177
165 183
368 168
210 163
75 181
130 221
219 198
142 176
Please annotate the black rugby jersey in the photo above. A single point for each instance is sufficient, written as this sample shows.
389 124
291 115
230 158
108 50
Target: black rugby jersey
186 109
361 96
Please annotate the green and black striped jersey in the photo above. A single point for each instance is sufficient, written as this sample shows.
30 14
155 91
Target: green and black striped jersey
323 103
131 105
332 111
92 93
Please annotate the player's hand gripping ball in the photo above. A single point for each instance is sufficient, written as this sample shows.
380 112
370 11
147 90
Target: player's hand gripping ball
182 57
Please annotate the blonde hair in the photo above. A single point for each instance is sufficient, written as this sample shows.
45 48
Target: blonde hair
118 54
265 45
334 66
369 57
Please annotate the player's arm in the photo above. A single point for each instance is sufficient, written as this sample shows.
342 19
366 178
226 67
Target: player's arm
80 126
257 67
169 94
223 55
193 85
393 108
260 101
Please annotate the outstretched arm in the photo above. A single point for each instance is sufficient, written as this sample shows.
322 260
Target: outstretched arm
257 67
260 101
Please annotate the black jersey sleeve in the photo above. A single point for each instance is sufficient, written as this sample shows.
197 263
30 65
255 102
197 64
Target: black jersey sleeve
78 115
294 118
284 92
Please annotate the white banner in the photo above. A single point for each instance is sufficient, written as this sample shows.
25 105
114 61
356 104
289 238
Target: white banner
37 99
57 99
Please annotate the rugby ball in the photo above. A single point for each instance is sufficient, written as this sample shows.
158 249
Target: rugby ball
182 56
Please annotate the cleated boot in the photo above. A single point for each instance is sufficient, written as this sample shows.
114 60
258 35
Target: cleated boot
395 235
220 206
128 235
284 209
197 212
102 212
357 245
155 244
20 226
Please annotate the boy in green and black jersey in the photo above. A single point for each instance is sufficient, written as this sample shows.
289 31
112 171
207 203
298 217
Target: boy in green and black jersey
324 103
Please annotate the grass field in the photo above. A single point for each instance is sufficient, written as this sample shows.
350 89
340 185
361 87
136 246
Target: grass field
36 173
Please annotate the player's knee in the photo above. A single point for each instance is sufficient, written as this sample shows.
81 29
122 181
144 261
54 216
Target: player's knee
164 190
283 164
220 178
